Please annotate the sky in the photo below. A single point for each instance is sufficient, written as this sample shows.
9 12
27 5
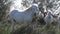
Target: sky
17 5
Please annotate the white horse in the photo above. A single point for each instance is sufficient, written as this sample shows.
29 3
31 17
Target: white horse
49 18
23 16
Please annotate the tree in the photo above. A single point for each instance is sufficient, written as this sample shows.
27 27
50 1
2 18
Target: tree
3 7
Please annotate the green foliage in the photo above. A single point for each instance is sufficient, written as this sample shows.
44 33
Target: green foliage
43 29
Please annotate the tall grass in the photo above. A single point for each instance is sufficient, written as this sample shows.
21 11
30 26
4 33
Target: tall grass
5 28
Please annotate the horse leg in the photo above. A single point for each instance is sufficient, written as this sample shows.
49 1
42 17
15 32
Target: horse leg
12 25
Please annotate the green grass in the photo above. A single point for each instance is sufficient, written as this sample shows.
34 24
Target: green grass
5 28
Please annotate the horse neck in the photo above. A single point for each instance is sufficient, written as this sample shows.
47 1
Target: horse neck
29 10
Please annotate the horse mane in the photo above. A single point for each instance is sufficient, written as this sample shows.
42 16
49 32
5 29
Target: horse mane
30 7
